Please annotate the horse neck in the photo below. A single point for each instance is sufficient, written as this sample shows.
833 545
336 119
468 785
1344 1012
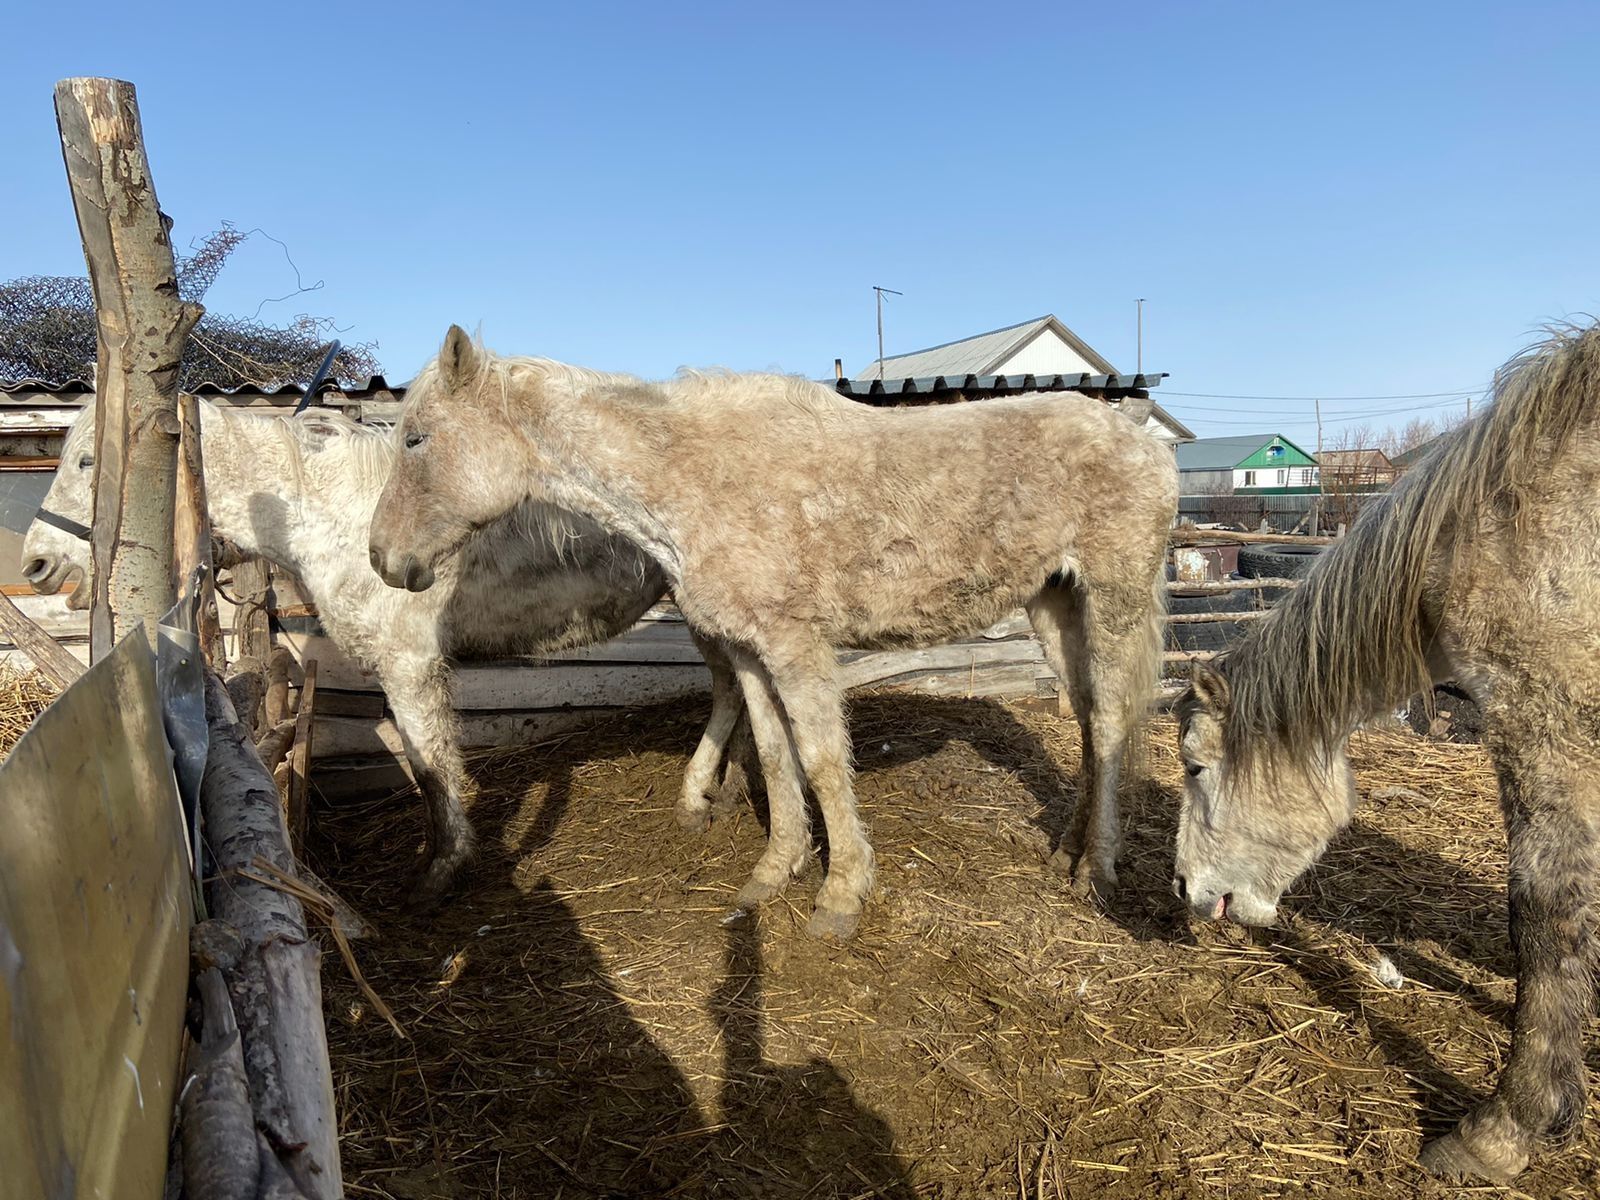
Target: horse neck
266 501
610 458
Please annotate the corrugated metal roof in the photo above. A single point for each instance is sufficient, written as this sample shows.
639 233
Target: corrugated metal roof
982 353
1221 453
970 355
868 389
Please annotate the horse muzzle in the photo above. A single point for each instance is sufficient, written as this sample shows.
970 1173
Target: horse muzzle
411 573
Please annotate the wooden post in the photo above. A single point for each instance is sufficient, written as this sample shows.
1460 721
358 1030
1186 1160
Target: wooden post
142 327
192 531
299 797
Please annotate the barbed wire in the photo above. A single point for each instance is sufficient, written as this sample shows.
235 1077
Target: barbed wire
48 330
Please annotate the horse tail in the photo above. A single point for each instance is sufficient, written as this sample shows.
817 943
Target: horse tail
1145 665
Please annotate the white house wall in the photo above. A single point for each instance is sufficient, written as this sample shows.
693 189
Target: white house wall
1046 354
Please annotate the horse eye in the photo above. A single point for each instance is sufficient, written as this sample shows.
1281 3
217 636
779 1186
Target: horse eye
86 462
1193 769
415 439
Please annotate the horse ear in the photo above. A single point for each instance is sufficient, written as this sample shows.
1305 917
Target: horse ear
1210 687
459 358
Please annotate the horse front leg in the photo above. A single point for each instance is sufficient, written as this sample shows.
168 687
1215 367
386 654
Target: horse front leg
700 780
422 700
1554 891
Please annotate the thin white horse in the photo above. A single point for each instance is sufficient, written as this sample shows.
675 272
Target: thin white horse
791 521
301 492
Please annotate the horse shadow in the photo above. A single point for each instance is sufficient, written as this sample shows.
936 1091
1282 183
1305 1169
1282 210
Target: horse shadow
794 1130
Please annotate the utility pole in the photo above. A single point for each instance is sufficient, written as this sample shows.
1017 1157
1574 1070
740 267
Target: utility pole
881 293
1140 355
1316 521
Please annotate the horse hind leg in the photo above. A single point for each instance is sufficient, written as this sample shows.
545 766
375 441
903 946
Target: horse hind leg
1550 808
814 704
741 767
424 712
700 781
1057 618
789 825
1105 647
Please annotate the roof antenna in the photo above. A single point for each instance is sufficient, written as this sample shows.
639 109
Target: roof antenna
882 292
317 379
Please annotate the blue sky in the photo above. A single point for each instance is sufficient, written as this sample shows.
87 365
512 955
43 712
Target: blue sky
1348 200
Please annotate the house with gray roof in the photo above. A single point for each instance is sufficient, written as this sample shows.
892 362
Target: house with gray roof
1037 355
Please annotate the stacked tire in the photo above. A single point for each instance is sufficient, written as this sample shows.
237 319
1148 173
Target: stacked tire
1277 561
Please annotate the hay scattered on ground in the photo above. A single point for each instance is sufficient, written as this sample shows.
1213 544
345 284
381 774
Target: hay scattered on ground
23 696
589 1022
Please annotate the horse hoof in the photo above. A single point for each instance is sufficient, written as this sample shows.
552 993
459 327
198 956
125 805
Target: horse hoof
1064 861
1450 1157
755 893
693 820
829 924
1094 884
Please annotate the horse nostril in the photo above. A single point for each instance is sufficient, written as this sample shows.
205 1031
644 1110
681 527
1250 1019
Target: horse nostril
375 557
1180 885
34 569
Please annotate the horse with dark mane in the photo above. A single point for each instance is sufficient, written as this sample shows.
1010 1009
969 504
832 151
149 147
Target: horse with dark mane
1482 567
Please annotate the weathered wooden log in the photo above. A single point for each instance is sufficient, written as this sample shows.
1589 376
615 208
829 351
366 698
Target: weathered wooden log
1230 585
276 988
279 668
1188 537
220 1159
142 327
298 800
247 689
46 653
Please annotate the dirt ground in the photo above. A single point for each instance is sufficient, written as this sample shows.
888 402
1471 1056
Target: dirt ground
587 1019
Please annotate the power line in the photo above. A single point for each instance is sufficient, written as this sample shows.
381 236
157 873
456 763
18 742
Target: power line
1313 399
1207 410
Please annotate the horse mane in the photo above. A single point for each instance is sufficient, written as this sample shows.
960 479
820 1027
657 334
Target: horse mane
717 387
1355 636
367 453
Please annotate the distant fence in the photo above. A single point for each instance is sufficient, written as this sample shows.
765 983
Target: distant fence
1280 512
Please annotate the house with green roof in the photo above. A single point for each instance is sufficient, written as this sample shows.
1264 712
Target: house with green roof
1252 464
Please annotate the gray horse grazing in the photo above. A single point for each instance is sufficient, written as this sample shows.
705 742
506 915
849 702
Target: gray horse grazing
301 491
1482 566
791 521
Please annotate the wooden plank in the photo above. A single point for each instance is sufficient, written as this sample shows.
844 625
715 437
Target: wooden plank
55 663
95 906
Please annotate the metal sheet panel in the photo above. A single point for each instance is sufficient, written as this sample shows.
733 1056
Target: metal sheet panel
94 920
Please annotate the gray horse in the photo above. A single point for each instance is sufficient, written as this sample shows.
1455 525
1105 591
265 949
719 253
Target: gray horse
1483 567
791 521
